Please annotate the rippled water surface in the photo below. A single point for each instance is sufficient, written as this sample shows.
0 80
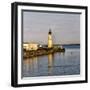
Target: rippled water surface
67 63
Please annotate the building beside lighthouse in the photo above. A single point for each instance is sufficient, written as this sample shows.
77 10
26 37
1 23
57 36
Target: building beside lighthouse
30 46
50 41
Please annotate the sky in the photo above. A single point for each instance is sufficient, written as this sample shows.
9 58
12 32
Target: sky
65 27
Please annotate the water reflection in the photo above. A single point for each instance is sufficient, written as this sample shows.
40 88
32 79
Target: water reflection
50 63
67 63
31 65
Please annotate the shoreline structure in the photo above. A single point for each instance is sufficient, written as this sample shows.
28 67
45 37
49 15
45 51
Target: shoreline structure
33 50
41 52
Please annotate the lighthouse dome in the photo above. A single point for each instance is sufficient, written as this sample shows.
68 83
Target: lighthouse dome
50 31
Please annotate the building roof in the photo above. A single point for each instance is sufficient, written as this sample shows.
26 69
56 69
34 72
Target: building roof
30 43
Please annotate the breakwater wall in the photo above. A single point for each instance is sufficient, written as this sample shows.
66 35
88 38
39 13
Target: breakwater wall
41 51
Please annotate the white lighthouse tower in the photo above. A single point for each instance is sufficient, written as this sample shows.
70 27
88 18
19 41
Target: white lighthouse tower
50 42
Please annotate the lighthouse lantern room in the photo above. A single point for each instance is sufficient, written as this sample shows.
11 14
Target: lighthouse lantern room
50 41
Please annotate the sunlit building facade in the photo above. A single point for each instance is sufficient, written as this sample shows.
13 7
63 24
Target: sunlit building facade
30 46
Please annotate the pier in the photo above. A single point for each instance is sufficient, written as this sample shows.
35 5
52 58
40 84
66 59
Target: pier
34 49
41 52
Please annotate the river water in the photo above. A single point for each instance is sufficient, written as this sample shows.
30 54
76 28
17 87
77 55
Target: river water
67 63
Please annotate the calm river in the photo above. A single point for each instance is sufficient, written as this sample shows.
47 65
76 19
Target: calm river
67 63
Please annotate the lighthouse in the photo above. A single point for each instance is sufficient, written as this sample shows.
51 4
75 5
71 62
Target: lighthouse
50 42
